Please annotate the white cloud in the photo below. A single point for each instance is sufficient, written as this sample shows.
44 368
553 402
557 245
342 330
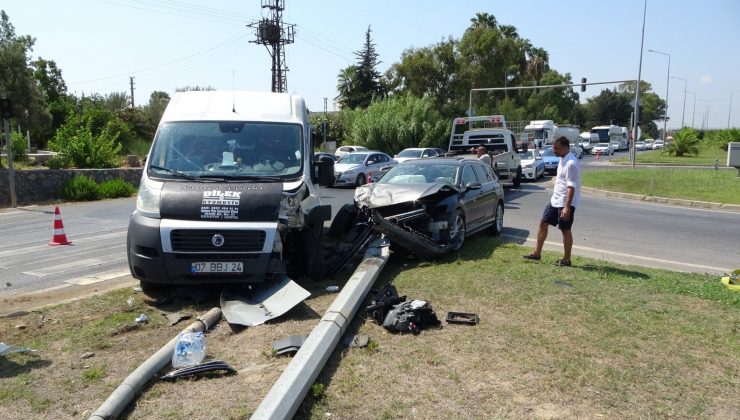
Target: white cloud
706 80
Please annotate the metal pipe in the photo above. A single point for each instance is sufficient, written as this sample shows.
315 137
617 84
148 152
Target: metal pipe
636 119
667 83
683 112
287 394
126 392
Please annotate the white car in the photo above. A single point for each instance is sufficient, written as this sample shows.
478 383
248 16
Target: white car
357 168
415 153
577 150
349 149
658 144
603 149
639 145
533 167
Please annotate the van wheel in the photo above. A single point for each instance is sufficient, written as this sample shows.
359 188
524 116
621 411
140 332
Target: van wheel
343 222
151 290
313 253
361 180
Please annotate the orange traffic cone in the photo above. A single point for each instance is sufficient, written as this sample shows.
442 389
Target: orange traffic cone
59 238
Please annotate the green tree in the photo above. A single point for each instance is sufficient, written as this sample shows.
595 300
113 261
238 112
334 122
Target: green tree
54 91
360 84
194 88
685 142
399 122
17 80
609 107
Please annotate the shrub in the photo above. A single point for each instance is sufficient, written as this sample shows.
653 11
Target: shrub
81 188
116 188
88 151
18 146
58 162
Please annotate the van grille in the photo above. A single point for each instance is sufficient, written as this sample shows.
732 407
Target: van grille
201 240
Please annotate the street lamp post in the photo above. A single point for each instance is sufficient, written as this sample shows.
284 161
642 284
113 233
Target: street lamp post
667 83
729 114
684 97
694 112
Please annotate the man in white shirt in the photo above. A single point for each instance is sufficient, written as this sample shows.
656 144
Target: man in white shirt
483 155
565 198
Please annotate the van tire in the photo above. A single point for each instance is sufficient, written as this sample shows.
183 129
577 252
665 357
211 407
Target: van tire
313 253
343 221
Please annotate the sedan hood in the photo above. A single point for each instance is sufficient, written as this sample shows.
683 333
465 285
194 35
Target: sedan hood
381 195
344 167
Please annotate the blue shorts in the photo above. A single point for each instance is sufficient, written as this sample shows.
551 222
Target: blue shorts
552 217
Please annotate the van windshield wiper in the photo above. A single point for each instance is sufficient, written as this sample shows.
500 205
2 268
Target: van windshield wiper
260 178
175 172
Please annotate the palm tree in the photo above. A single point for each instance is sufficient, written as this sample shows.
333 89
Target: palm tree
483 20
538 63
685 142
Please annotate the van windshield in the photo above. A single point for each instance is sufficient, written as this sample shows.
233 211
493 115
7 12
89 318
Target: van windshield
228 149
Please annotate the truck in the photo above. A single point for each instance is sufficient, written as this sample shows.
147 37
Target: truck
491 133
544 132
229 193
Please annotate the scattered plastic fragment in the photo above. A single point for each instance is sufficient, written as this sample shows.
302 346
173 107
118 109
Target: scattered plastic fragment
355 340
332 289
7 349
141 319
190 349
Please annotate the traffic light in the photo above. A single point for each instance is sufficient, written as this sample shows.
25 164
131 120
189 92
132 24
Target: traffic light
583 84
6 109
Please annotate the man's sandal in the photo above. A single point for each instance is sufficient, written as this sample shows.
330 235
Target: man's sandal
563 263
531 257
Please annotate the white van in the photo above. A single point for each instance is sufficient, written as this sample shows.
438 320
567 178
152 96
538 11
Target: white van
229 193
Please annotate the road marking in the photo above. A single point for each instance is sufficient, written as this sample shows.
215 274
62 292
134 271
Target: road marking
76 242
56 269
98 277
621 254
21 260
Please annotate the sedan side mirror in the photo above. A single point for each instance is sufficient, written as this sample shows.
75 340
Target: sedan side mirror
370 162
473 186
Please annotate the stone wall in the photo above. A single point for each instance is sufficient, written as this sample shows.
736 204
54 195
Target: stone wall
41 185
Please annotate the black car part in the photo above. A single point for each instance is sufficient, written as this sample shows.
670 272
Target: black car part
462 318
385 299
288 344
411 317
212 366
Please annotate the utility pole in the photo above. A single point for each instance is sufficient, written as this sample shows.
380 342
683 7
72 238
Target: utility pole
6 109
131 81
272 32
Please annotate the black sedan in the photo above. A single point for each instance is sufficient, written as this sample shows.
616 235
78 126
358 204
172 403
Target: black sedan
428 207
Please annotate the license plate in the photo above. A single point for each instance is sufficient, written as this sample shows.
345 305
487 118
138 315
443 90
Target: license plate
217 267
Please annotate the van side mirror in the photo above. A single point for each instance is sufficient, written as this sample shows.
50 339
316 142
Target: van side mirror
323 171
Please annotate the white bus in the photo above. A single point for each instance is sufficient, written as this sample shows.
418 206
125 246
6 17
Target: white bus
611 134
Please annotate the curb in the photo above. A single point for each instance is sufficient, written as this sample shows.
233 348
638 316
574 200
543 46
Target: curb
664 200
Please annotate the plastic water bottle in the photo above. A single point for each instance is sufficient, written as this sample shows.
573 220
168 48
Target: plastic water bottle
190 349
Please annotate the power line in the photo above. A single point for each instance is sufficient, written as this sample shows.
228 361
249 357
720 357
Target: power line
234 39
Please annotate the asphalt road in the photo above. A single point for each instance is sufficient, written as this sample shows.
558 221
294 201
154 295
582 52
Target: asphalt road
677 238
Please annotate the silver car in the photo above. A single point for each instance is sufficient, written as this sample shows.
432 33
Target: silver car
355 169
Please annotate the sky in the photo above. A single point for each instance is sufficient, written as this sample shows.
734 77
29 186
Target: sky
166 44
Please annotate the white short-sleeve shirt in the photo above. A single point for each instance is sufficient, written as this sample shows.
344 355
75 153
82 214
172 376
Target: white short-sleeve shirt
568 175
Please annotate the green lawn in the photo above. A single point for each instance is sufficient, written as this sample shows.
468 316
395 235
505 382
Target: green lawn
691 184
706 157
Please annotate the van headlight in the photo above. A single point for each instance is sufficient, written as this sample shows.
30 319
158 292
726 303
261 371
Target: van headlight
290 206
147 201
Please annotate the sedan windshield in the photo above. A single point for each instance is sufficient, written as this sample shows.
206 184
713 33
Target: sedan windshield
421 174
548 152
227 149
354 158
410 153
527 155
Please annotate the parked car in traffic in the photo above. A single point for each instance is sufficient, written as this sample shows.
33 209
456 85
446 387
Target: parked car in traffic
414 153
343 150
603 149
533 167
658 144
649 144
551 160
356 168
442 152
428 207
576 150
640 145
